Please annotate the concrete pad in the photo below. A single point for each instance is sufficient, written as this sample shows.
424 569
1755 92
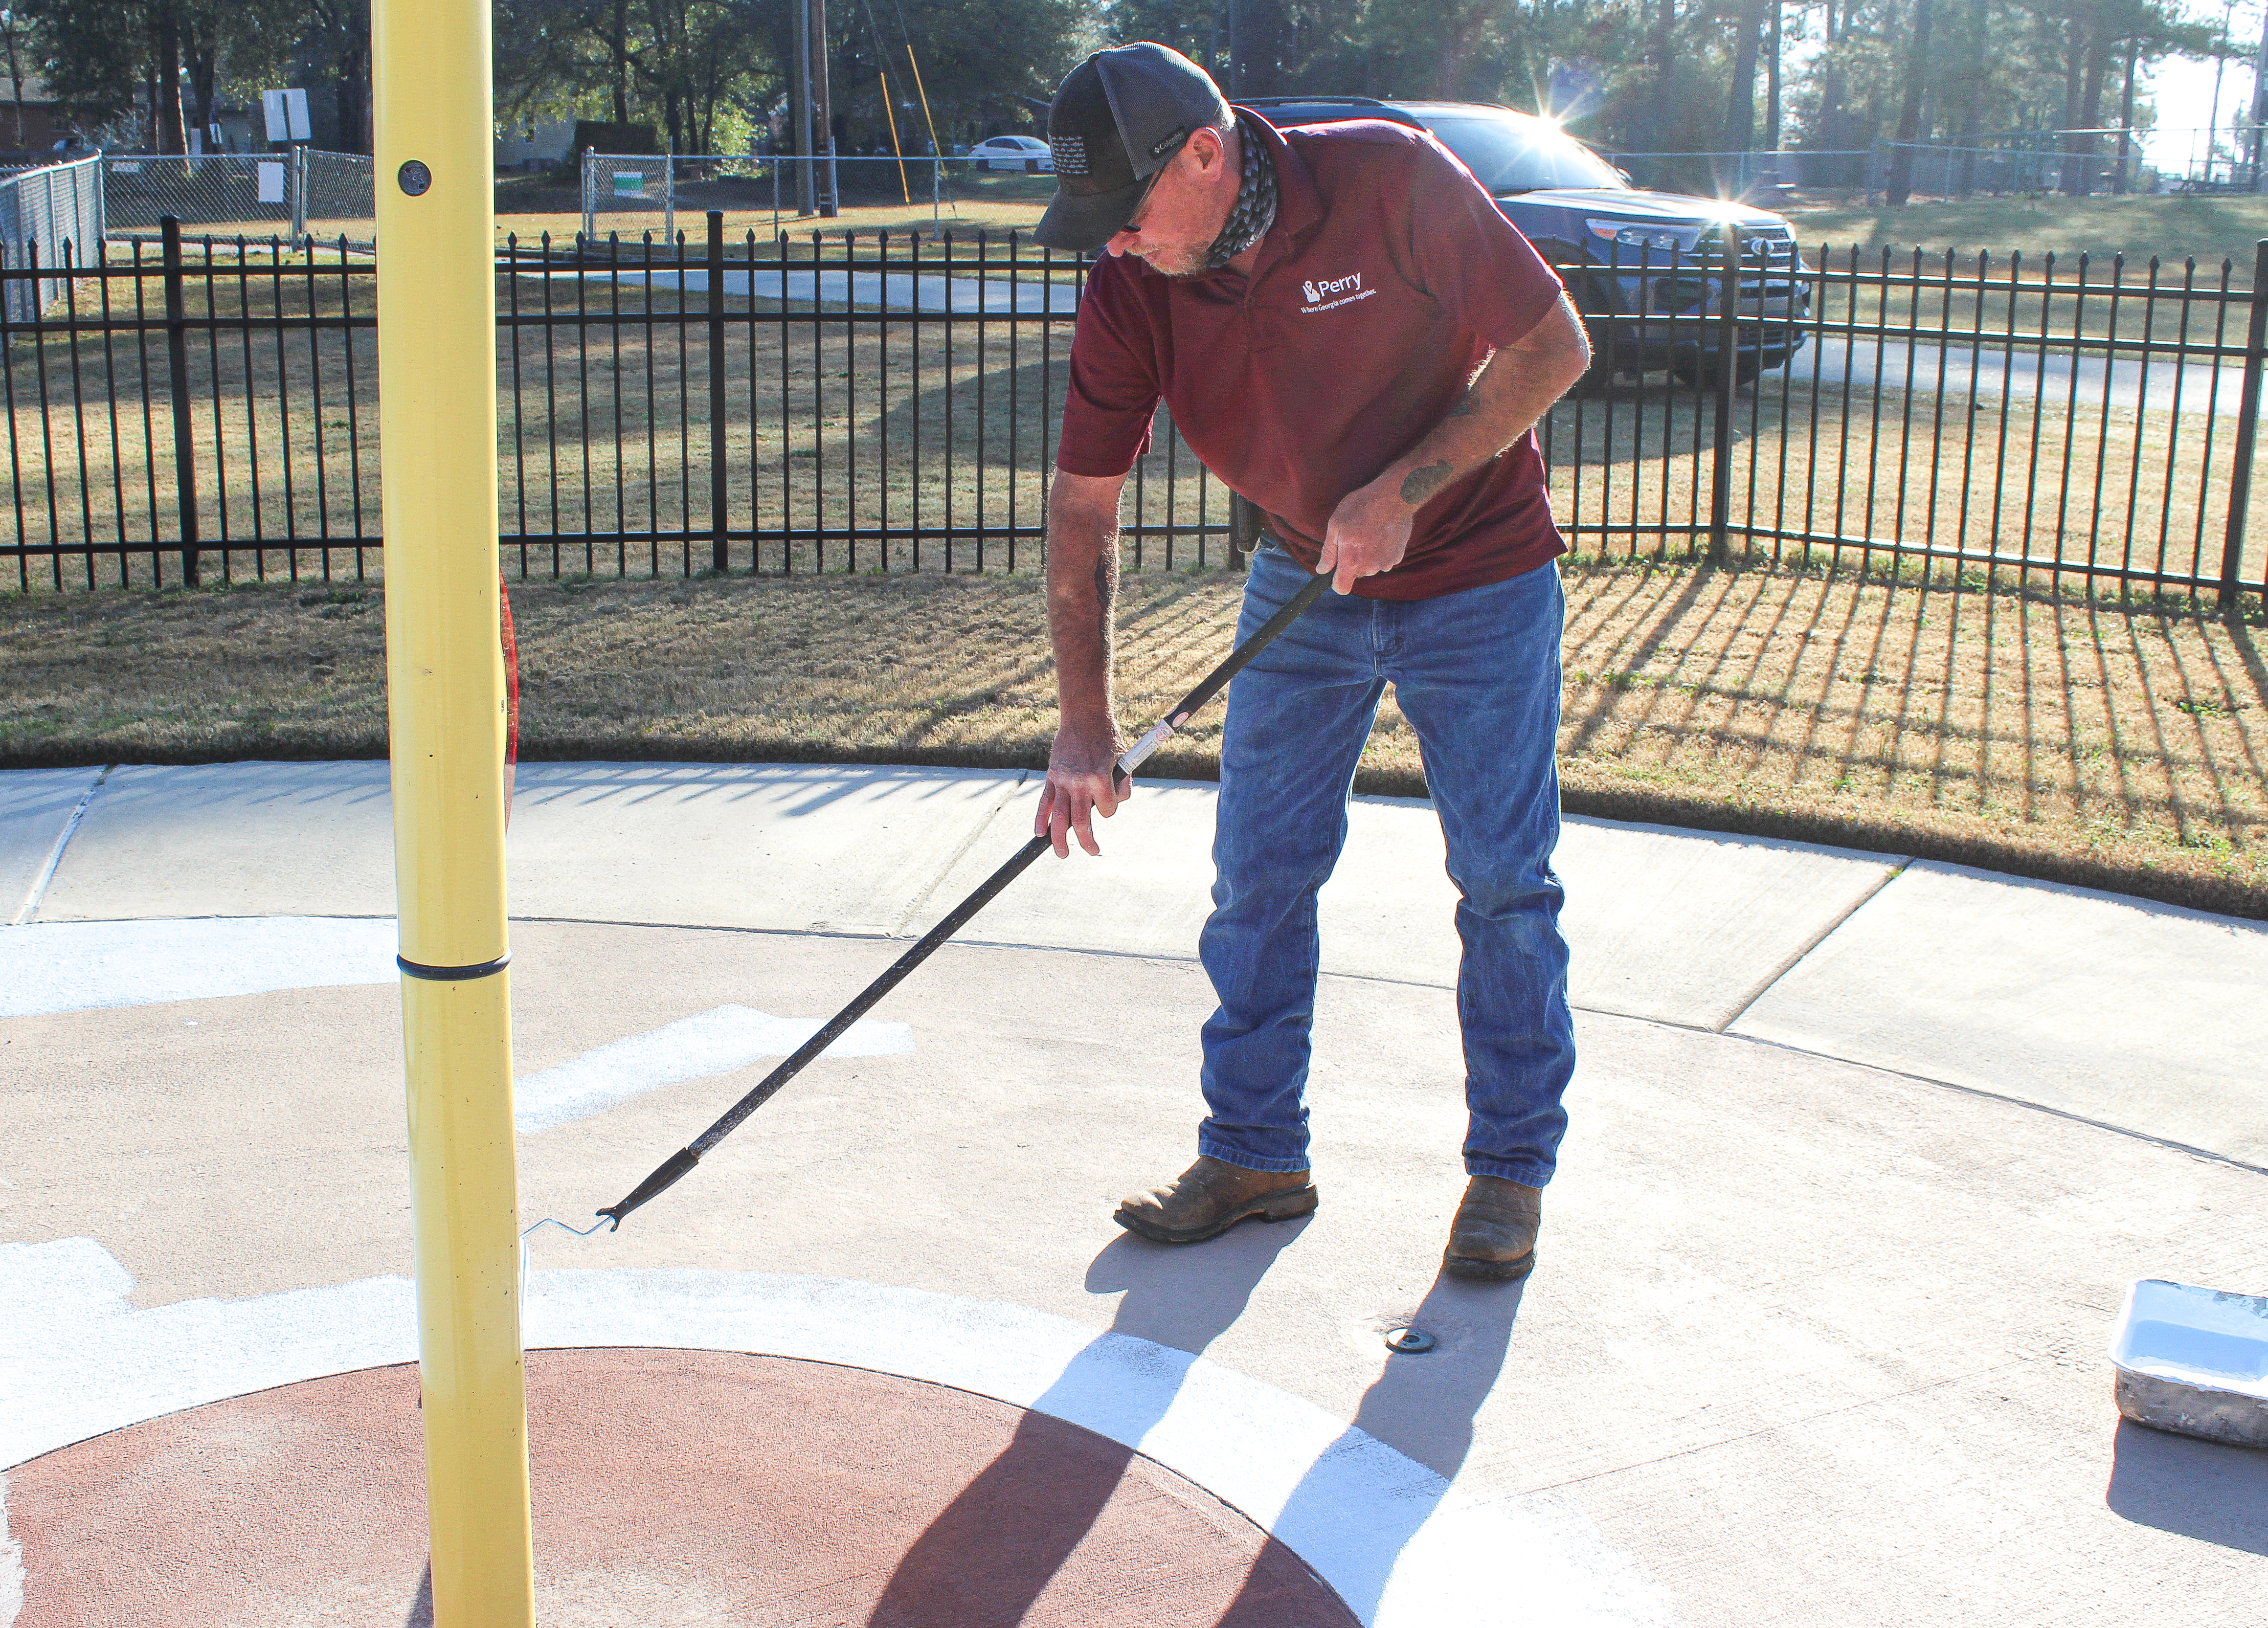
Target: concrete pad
1688 927
823 1494
1819 1344
1681 926
231 839
826 848
1147 894
2140 1015
36 804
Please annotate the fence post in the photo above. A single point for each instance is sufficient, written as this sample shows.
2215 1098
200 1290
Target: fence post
1728 379
1873 170
177 358
2248 429
716 516
590 196
299 196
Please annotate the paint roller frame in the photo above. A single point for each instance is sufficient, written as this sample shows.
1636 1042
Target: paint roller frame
681 1163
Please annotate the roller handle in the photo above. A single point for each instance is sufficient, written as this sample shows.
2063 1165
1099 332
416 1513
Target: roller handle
671 1171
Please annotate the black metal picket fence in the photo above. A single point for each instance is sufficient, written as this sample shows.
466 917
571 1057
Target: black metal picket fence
207 410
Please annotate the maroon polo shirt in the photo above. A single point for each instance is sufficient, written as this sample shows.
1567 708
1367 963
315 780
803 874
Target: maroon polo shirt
1388 277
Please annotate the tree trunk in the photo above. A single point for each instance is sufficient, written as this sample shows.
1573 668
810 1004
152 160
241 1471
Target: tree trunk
2090 106
1901 186
1972 85
1664 71
15 74
171 136
1740 103
2074 62
2126 121
1462 27
618 46
204 77
1830 134
1772 53
351 97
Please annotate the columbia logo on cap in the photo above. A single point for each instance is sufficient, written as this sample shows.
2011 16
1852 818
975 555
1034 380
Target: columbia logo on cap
1070 154
1159 149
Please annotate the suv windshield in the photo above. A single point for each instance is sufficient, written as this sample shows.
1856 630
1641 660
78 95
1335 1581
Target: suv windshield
1519 155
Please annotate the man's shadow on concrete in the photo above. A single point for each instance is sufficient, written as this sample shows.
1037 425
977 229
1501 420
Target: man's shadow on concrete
2204 1490
992 1550
984 1560
1422 1405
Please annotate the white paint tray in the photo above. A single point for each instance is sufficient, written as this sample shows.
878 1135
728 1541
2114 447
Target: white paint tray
2193 1360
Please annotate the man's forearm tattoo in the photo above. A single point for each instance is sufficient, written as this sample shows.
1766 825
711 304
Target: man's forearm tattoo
1423 482
1462 407
1102 599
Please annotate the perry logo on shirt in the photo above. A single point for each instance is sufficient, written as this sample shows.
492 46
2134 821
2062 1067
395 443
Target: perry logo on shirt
1328 296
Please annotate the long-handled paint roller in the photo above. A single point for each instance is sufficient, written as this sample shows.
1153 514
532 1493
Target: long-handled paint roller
673 1168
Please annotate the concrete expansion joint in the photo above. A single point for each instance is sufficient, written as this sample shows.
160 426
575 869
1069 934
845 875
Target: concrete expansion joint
2204 1155
898 928
37 893
1796 958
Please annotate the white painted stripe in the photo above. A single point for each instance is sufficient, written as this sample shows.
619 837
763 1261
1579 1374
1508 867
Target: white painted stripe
80 966
720 1041
1401 1545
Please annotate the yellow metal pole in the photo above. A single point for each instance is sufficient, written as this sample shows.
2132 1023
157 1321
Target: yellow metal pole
445 708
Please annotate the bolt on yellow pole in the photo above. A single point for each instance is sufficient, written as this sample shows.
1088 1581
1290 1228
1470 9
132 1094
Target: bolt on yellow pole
446 710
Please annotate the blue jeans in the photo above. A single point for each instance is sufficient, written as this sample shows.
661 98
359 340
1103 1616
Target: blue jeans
1477 675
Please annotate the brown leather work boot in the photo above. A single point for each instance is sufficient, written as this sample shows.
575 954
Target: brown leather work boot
1211 1197
1494 1235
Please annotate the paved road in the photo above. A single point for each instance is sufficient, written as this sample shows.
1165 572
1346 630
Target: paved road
1865 1152
2057 379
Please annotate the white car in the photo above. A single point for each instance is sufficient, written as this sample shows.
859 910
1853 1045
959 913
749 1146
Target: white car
1014 152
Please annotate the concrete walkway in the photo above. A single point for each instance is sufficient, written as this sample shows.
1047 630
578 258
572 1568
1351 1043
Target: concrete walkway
2029 989
1863 1153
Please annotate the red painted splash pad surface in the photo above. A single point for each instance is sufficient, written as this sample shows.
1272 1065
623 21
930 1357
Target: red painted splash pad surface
684 1488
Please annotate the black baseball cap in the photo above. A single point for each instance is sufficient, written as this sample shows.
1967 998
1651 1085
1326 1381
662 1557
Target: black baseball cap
1117 119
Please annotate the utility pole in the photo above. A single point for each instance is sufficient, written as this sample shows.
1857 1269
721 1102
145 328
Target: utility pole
821 108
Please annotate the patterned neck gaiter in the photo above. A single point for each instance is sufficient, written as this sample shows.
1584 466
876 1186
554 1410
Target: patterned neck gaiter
1256 202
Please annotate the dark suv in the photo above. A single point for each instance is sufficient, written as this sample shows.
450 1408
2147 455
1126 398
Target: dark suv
1630 258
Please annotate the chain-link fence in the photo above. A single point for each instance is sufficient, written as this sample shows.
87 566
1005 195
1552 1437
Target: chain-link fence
296 196
48 216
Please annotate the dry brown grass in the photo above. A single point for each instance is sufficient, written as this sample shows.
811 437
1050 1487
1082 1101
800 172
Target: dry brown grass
2120 747
872 201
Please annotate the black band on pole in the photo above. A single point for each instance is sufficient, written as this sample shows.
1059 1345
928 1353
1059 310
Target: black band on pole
673 1168
453 974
